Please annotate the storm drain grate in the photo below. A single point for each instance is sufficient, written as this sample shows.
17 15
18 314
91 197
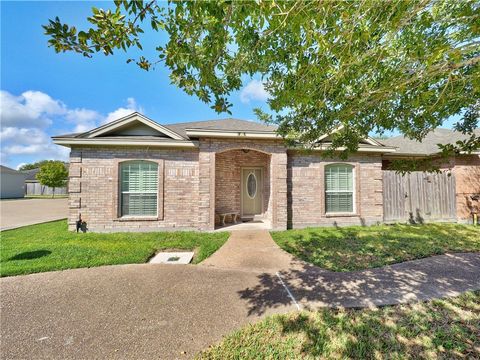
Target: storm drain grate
172 258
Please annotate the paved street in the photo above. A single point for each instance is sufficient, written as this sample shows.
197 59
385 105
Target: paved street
16 213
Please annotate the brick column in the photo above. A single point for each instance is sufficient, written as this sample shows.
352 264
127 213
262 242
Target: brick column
279 184
206 188
74 188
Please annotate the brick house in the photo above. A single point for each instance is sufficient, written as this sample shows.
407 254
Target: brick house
134 174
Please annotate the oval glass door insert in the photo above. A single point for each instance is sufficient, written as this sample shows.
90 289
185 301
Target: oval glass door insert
251 185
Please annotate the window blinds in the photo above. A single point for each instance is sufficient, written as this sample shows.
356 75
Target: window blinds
139 188
339 188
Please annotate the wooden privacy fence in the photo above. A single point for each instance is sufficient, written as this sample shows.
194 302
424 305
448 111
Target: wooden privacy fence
418 197
38 189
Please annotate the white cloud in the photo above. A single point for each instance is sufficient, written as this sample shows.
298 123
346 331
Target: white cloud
15 153
132 106
43 103
28 121
20 165
26 109
23 135
254 90
84 119
29 141
25 149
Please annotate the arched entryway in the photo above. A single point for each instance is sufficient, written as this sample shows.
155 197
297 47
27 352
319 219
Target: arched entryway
243 188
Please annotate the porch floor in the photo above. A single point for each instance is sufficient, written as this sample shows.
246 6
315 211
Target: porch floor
255 224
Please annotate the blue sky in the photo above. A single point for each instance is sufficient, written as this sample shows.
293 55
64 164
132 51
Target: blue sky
44 93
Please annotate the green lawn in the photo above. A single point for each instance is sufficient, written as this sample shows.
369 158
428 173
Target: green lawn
357 248
49 246
440 329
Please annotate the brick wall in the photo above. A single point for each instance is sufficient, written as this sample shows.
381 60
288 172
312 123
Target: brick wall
277 210
195 183
466 169
467 179
306 198
228 179
93 188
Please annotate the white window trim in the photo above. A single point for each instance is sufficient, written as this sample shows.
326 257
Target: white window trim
354 190
122 216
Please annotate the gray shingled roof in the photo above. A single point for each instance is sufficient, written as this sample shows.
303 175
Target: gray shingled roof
229 124
7 170
31 174
428 146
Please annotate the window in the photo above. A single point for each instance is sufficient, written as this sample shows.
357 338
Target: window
139 188
251 185
339 188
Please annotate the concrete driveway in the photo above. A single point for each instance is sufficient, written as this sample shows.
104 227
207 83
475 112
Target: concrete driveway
125 312
174 311
22 212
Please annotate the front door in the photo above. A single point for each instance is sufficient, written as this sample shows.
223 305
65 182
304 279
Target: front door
252 191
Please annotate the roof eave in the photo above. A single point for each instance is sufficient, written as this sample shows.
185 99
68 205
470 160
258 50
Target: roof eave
372 149
470 153
244 134
68 142
405 154
400 154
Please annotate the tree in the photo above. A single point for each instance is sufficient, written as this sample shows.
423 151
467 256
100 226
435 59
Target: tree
34 165
53 174
370 66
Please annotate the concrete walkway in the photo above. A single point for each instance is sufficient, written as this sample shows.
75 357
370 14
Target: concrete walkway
23 212
250 250
311 287
174 311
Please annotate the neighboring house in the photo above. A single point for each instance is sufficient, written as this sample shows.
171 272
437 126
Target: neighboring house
33 186
134 174
12 183
465 168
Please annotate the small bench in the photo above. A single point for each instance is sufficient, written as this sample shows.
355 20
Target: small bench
233 215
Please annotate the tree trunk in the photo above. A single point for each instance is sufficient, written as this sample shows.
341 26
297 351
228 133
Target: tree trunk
53 193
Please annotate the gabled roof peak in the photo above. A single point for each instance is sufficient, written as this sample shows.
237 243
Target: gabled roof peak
128 120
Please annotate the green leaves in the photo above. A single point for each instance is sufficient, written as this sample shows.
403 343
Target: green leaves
33 165
53 174
110 30
369 66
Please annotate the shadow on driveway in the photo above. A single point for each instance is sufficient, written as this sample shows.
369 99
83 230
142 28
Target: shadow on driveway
312 287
